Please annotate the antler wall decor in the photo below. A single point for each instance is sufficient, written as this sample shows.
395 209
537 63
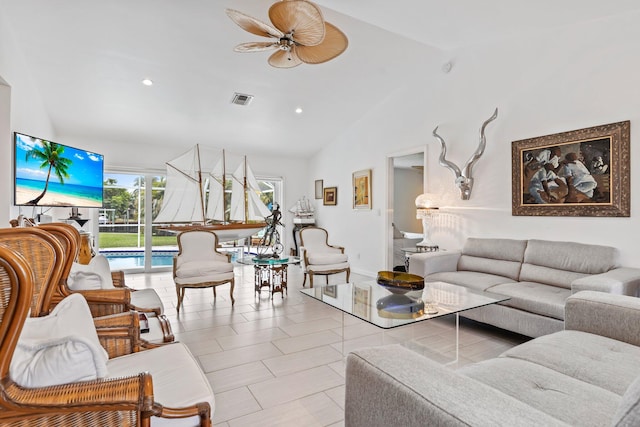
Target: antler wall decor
464 180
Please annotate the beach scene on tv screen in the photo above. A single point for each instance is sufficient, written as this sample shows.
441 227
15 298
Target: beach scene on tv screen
51 174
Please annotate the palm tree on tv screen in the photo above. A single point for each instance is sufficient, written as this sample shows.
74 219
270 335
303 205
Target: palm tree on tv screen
51 155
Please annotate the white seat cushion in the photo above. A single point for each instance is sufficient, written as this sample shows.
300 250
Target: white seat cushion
203 268
319 268
147 298
178 380
60 348
326 258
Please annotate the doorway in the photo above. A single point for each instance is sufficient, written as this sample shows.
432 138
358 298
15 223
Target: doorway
406 180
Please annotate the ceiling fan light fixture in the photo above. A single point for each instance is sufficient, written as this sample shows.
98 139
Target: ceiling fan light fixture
302 35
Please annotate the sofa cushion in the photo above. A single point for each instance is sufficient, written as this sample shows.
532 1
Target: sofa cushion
561 396
469 279
501 257
597 360
567 256
549 276
534 297
628 413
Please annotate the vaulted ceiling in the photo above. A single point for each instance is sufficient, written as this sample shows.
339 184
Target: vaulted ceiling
87 59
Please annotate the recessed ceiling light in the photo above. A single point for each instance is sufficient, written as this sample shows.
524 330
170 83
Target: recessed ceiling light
298 110
147 82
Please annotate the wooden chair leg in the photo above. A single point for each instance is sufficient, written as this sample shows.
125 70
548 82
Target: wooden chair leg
180 292
304 280
348 274
214 292
233 301
310 280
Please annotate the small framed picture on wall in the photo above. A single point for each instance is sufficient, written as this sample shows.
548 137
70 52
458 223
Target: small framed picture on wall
319 189
330 196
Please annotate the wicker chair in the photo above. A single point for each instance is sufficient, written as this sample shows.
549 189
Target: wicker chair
115 402
118 299
319 257
180 394
198 264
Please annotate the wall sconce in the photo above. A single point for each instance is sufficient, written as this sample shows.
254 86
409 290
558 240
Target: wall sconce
425 209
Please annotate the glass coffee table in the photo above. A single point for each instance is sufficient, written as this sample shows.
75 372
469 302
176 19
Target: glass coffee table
374 304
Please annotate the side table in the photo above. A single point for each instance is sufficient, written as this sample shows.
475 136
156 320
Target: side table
270 273
416 250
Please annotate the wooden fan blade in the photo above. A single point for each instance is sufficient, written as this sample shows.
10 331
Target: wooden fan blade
253 25
284 59
300 17
255 46
335 42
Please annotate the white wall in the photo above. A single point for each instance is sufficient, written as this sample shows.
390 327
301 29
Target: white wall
21 109
569 79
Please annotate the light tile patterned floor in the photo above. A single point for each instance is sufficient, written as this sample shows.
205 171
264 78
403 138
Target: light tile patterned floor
280 362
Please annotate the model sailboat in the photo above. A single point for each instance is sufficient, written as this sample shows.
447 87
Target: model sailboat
197 195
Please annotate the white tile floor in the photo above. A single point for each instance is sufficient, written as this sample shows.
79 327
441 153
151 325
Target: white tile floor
280 363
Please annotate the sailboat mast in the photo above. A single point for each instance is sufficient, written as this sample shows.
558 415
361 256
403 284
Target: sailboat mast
244 192
225 220
200 189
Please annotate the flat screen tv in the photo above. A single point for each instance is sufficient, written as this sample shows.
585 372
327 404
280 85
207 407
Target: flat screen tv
51 174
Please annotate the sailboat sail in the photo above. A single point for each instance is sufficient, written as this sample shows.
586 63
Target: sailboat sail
196 187
182 191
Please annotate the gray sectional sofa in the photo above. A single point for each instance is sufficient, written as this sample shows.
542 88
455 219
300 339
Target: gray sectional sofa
586 375
537 275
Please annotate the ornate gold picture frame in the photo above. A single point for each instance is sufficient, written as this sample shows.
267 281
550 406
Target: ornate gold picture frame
330 197
584 172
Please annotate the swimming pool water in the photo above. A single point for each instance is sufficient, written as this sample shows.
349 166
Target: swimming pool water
121 260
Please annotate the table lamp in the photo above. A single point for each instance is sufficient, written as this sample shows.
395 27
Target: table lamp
425 209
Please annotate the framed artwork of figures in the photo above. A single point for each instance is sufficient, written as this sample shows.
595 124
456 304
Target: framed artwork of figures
583 172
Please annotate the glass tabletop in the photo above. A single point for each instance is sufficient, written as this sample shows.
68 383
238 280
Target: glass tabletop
253 260
375 304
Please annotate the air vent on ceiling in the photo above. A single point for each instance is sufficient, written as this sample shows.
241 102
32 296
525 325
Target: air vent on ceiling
241 99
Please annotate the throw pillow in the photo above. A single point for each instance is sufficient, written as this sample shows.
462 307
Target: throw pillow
60 348
99 266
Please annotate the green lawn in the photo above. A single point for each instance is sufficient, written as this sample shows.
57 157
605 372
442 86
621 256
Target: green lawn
130 240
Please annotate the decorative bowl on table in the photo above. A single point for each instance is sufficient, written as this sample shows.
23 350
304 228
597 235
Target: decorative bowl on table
398 282
398 306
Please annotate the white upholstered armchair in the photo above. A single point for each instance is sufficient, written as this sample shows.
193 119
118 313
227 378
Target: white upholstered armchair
200 265
319 257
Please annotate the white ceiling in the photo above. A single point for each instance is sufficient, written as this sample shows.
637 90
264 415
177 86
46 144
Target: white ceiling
87 59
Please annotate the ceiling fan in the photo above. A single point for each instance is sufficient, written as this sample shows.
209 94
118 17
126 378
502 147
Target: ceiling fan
301 33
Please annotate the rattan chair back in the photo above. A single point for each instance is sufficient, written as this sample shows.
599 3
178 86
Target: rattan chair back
44 254
119 402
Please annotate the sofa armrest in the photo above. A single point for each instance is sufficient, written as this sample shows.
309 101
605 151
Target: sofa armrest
424 264
621 281
608 315
392 385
